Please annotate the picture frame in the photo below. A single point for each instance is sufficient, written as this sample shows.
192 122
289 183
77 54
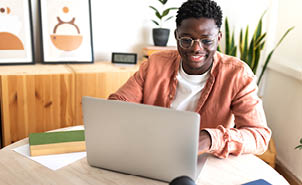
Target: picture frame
66 31
124 58
16 32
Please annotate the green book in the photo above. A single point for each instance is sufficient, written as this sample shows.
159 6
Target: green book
47 143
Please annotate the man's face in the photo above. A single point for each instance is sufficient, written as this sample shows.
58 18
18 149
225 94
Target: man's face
197 57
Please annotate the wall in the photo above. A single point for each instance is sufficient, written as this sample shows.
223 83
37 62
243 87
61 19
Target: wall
283 87
283 106
125 26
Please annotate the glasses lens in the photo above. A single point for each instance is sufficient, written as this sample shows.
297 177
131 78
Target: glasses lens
186 42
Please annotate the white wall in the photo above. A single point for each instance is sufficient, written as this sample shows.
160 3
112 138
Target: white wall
125 26
283 87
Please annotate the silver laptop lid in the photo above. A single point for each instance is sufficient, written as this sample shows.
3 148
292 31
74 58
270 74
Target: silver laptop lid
139 139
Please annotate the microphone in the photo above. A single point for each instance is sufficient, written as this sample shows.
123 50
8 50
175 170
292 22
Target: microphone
182 180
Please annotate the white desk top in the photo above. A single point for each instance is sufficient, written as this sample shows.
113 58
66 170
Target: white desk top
16 169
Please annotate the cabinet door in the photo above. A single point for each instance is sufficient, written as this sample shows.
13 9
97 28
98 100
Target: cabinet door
98 80
35 103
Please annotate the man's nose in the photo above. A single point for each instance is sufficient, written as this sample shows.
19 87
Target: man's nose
197 46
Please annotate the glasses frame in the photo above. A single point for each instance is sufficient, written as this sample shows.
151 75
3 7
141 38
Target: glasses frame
200 43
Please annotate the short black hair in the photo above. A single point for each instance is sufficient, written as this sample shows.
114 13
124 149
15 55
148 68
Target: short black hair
198 9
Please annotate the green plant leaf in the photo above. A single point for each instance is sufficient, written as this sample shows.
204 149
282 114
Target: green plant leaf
299 147
301 141
155 22
227 36
258 30
163 1
166 12
250 53
153 8
241 41
156 12
218 48
256 60
169 18
259 39
233 46
271 53
244 54
233 51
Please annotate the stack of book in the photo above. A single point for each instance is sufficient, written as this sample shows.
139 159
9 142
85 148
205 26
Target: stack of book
56 142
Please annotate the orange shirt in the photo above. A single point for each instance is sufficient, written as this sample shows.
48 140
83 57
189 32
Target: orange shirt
229 98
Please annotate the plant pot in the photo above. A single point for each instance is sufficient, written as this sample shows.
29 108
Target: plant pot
160 36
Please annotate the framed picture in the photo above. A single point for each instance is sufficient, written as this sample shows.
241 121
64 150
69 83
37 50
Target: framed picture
66 31
16 36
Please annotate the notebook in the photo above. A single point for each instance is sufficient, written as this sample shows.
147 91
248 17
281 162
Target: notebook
143 140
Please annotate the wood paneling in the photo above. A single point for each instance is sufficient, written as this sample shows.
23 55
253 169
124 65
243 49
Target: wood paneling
38 98
98 80
35 98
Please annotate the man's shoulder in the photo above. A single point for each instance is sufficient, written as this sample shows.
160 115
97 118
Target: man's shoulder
166 55
166 58
233 64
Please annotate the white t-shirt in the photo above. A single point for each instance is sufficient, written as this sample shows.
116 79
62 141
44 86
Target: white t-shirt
188 91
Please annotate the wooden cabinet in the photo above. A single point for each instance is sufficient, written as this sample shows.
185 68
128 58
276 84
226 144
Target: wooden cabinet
98 80
35 98
38 98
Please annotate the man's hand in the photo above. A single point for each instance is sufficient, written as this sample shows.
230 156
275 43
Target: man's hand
204 142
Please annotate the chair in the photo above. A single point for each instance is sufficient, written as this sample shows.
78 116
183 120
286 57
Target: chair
270 155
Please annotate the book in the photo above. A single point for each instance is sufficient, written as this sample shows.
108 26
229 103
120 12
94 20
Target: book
47 143
258 182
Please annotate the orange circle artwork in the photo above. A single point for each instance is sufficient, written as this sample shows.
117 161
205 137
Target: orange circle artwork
65 9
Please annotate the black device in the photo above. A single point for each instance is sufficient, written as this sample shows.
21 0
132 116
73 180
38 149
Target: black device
124 58
182 180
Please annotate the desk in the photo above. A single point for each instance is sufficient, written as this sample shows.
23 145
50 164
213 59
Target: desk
16 169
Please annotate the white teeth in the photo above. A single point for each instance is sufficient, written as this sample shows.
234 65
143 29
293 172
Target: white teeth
197 56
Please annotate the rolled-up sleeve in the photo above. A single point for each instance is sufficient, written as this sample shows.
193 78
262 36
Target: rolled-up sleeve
251 134
132 90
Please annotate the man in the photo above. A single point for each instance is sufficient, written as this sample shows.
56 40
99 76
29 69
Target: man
221 88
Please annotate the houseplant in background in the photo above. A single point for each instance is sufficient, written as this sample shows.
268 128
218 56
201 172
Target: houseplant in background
250 50
299 146
160 34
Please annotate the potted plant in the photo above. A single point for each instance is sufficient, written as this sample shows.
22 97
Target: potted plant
299 146
250 50
161 35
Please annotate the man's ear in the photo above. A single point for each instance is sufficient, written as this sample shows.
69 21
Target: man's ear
175 33
219 36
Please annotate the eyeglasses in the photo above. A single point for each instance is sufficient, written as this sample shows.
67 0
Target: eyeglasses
187 42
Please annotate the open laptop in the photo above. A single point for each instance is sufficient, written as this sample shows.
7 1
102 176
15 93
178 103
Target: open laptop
143 140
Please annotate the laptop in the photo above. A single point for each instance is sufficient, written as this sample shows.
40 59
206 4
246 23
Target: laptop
142 140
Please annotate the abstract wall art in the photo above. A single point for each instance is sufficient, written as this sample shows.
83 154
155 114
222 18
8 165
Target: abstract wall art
66 31
16 36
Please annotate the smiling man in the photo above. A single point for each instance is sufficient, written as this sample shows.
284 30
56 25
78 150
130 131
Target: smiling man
221 88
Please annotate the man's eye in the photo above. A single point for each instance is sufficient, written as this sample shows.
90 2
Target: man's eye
207 41
187 41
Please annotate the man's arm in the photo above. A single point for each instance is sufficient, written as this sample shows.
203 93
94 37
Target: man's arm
132 90
251 134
